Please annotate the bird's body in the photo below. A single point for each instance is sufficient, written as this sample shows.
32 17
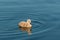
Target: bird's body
24 24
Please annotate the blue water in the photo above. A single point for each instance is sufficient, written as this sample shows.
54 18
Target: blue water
45 16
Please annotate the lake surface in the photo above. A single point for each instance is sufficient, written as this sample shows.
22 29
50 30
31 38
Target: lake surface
45 16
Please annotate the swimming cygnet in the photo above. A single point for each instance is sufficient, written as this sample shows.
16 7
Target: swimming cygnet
25 26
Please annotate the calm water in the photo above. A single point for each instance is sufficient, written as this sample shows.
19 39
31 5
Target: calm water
45 16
